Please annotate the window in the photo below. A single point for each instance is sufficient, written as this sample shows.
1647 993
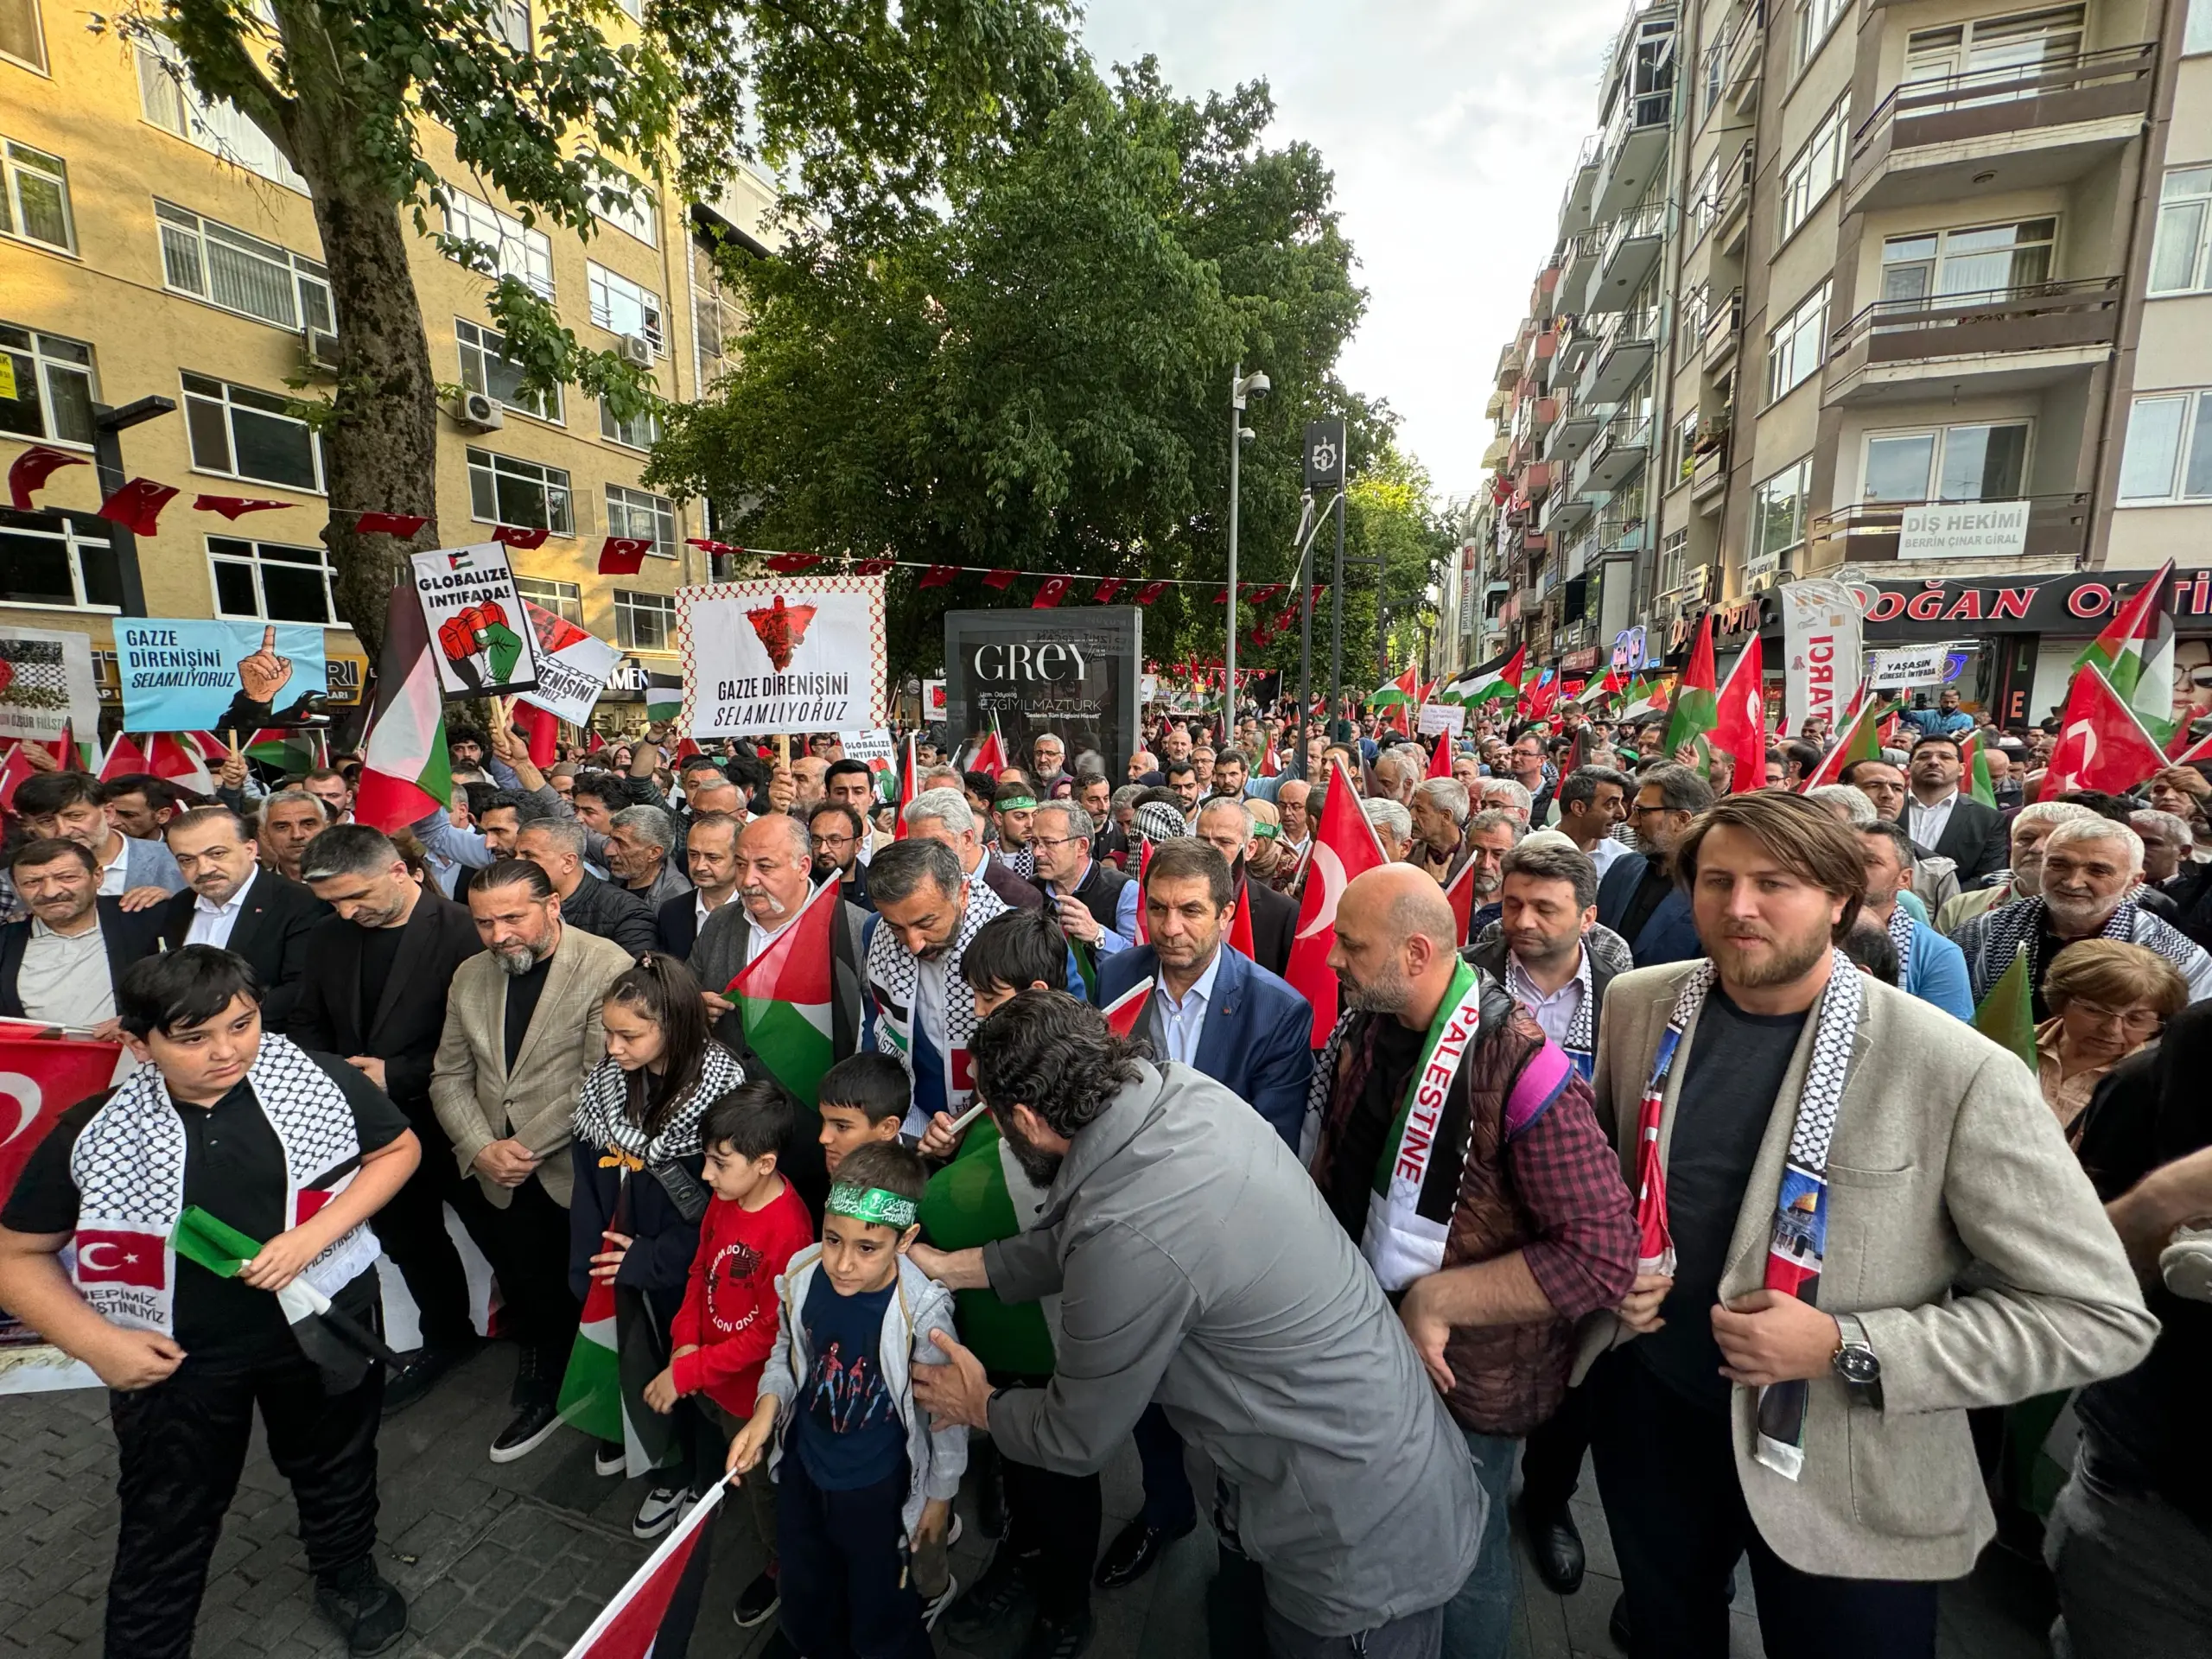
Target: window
1777 517
1998 53
509 21
1697 309
1684 439
171 102
20 39
35 197
715 317
643 622
268 581
1673 560
509 248
1990 259
1814 19
2169 449
505 491
1815 169
1974 463
638 513
47 559
55 389
641 218
1714 57
1705 197
241 433
564 599
2178 258
2196 32
620 305
1794 348
241 273
641 432
484 368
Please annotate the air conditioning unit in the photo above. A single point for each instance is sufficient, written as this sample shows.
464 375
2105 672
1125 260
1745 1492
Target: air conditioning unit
478 412
319 346
637 349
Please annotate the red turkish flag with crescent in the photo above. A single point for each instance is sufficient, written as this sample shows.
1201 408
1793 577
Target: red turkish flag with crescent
41 1078
2100 743
28 473
138 506
1151 591
1050 593
1740 727
401 525
1107 590
1344 847
516 536
623 556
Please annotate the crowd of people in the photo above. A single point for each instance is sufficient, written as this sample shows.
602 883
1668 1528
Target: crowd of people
1681 1154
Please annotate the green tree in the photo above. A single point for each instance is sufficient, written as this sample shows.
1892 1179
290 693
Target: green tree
1035 373
860 104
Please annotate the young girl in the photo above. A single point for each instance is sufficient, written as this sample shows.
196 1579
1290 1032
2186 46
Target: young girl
633 1223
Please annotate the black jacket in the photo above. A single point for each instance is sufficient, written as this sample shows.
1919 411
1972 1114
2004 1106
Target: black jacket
677 924
408 1014
128 937
1974 836
612 912
270 933
1275 923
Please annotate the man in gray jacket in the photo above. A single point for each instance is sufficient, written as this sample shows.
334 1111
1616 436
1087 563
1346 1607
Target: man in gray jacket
1197 1266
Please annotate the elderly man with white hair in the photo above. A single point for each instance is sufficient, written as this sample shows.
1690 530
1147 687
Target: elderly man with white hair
2090 869
944 815
1395 774
2029 826
1504 795
1440 806
1394 826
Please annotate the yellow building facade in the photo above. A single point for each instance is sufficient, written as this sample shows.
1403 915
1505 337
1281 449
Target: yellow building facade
153 245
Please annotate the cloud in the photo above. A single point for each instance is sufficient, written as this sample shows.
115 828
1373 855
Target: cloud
1451 128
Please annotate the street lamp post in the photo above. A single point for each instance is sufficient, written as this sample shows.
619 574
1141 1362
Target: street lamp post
1241 387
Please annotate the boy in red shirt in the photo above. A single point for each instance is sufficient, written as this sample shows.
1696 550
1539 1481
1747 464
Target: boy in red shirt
724 1331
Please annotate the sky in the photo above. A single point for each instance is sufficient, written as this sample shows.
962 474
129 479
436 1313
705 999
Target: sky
1451 125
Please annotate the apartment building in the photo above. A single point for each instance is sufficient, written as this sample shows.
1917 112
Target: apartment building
154 244
1906 254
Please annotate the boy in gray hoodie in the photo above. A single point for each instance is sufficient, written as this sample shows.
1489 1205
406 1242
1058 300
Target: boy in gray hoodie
864 1486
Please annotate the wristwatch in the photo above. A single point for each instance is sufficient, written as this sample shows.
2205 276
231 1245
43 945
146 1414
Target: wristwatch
1856 1363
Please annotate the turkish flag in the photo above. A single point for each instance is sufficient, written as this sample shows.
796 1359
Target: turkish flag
13 770
874 567
540 730
1460 895
622 555
41 1078
119 1258
1344 847
2100 744
234 507
401 525
28 471
1740 727
1000 579
1151 591
516 536
1107 590
138 506
1440 758
791 564
938 575
1240 923
1050 593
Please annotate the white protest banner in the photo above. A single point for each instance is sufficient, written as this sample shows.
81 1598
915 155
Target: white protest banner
1886 671
572 666
1442 717
1820 624
789 654
932 700
45 685
1967 530
479 635
874 750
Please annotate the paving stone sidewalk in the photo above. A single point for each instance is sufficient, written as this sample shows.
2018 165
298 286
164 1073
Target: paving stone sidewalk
511 1562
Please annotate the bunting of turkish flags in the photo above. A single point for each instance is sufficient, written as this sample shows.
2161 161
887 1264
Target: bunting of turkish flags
516 536
874 567
1050 593
28 471
138 506
2100 743
791 564
938 575
234 507
1000 579
1151 591
401 525
622 556
1107 590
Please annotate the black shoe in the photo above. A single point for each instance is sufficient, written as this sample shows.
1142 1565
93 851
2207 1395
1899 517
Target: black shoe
532 1427
1556 1544
369 1613
1058 1639
1616 1625
1131 1553
990 1498
990 1601
757 1601
420 1371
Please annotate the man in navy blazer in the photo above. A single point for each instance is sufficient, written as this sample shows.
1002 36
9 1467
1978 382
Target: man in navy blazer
1638 898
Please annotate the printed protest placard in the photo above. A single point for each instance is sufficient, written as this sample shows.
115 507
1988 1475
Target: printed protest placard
793 654
479 635
572 666
184 674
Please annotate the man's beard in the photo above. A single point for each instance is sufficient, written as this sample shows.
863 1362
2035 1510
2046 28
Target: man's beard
1792 960
1042 1168
2082 916
933 952
515 960
1388 995
826 868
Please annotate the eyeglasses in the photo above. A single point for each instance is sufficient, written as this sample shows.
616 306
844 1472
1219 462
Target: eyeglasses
1054 845
2137 1019
834 841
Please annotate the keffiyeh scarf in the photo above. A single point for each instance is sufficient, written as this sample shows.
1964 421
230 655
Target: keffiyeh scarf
1900 938
602 1117
1801 1210
893 976
2007 930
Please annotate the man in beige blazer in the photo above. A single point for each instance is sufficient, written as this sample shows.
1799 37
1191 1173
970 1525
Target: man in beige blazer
522 1029
1964 1262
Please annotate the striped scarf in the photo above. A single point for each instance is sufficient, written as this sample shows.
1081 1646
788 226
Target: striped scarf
1901 937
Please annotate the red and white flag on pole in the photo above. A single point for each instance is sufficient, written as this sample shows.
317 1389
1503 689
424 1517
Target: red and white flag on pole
909 777
1344 847
1124 1013
630 1625
2100 743
42 1074
1739 725
1460 895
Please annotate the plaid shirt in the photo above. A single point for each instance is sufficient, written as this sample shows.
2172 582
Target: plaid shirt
1568 1179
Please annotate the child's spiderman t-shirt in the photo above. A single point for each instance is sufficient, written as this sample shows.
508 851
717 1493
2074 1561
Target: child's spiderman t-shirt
847 1427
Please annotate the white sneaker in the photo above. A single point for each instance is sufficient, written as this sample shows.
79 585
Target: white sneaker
608 1459
939 1602
2186 1263
657 1513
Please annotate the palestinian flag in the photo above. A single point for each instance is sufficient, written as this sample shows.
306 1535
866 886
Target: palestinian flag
2135 653
784 994
340 1348
1976 756
1492 682
1402 692
288 749
2007 1015
629 1627
664 696
1126 1012
1696 708
1861 740
124 759
617 1353
180 757
1645 697
405 772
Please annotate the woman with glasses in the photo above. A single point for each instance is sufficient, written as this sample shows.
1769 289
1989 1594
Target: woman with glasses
2108 998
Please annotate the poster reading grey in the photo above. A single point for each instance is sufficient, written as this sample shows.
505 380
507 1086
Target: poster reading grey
1074 672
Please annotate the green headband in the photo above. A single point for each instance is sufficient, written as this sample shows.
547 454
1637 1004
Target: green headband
872 1204
1016 804
1263 829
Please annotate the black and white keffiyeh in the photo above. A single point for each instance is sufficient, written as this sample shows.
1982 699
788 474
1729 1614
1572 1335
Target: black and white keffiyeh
1901 938
602 1115
1992 939
1022 861
894 976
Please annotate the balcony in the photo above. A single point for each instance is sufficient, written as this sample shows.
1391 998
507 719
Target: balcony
1624 358
2018 127
1500 401
1731 220
2058 530
1744 60
1619 536
1508 366
1641 98
1581 189
1568 514
1722 330
1493 456
1579 265
1534 481
1619 454
1977 344
1630 250
1570 435
1578 338
1543 412
1708 477
1540 357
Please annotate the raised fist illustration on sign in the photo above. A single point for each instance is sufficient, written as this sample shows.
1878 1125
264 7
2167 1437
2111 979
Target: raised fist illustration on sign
480 631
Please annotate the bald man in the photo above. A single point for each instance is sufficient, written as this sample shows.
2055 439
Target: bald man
1495 1253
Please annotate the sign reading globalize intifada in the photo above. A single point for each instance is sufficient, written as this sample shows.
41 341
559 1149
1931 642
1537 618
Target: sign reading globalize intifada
789 654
